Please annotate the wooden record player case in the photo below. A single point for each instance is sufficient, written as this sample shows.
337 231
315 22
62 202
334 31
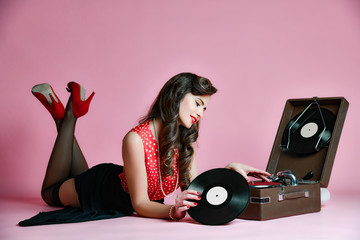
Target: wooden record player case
283 201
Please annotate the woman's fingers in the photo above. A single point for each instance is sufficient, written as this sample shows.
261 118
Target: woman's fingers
183 208
258 171
260 174
188 194
192 197
185 205
192 192
183 200
265 178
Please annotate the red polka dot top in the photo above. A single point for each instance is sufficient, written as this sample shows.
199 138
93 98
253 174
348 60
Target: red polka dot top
152 166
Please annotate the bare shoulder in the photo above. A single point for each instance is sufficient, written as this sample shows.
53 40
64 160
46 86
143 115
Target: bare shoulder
132 138
132 147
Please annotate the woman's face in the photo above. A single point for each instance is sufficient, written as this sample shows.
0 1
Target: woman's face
192 108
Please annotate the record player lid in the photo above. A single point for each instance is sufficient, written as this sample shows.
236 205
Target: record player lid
319 162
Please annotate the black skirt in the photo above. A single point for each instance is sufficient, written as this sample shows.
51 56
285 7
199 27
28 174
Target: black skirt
100 194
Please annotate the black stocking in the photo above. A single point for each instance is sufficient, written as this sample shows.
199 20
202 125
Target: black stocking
66 159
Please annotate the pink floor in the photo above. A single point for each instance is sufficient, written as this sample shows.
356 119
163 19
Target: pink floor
338 219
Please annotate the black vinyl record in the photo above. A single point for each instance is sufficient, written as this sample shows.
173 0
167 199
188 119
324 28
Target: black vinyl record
224 196
308 133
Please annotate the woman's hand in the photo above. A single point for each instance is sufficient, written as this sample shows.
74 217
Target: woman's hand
182 204
246 171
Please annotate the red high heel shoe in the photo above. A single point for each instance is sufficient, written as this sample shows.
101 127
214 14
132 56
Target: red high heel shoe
79 104
48 98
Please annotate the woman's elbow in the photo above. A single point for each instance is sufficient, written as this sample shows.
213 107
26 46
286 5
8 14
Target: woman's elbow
140 207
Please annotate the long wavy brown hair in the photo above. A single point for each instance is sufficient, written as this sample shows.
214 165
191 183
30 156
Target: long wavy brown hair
174 136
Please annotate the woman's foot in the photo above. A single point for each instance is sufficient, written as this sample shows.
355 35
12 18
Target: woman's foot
46 95
80 106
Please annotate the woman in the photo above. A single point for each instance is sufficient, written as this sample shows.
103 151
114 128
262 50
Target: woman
108 190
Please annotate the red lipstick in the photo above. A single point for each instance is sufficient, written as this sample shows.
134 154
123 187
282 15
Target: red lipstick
193 119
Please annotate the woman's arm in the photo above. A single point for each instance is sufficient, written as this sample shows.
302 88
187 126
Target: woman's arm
135 170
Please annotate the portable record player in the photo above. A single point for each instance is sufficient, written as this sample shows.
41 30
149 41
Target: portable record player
301 159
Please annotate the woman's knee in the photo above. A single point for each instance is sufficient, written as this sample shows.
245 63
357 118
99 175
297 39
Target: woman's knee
50 195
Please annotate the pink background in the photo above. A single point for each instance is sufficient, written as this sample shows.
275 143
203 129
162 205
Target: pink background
257 53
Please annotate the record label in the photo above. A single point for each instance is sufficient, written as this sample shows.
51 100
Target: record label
224 196
217 195
309 130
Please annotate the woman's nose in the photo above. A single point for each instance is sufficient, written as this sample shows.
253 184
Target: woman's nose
200 114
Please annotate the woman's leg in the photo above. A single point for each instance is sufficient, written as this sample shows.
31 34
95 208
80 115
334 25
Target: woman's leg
65 162
78 163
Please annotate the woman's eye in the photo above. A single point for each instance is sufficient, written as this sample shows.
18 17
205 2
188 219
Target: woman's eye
197 104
